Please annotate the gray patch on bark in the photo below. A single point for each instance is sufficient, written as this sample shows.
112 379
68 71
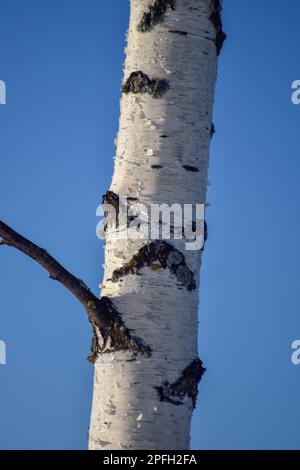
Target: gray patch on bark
156 255
155 14
186 386
216 20
139 82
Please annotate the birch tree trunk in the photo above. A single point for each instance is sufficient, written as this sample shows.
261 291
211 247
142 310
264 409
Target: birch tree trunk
144 399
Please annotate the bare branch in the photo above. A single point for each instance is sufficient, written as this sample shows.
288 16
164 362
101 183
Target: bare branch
102 314
41 256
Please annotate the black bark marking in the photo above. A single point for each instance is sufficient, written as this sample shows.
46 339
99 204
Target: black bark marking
175 31
220 39
155 14
186 386
193 169
212 130
159 254
156 167
139 82
113 199
215 16
216 20
205 232
164 136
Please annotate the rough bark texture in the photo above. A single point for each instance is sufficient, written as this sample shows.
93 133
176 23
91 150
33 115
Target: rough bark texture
162 153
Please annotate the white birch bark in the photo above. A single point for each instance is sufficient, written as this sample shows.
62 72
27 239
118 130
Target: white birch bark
168 132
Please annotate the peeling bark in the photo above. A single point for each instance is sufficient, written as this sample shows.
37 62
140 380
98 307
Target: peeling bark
186 386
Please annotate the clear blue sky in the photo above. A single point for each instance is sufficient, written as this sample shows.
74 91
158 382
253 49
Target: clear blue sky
62 63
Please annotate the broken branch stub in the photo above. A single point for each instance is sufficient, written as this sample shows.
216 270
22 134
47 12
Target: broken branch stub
115 336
